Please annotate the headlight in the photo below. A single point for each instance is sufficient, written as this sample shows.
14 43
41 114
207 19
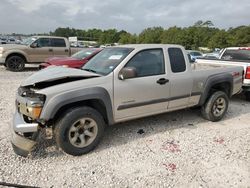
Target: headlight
30 103
65 66
34 112
30 108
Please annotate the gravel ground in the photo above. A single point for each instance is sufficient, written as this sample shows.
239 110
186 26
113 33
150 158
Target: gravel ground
177 149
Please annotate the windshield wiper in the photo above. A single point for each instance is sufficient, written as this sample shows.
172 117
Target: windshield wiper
89 70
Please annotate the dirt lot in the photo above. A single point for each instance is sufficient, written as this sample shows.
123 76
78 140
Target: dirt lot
177 149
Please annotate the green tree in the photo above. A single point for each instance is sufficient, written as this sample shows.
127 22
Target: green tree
239 36
219 40
127 38
151 35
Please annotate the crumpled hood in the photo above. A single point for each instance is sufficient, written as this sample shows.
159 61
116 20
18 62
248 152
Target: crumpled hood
57 73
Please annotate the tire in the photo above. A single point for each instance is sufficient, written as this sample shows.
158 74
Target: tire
216 106
15 63
79 131
247 95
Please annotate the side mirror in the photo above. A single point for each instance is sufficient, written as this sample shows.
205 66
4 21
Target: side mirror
34 45
127 72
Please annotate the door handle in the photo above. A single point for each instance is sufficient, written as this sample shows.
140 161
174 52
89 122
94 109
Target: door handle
50 50
66 50
162 81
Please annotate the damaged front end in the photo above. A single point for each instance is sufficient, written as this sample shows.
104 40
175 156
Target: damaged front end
26 125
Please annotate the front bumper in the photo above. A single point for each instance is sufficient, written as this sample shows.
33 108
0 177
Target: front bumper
22 145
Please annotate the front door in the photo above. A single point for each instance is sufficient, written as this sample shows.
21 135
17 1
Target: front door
148 92
42 50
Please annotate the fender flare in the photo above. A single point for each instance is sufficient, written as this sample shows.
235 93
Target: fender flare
52 106
213 80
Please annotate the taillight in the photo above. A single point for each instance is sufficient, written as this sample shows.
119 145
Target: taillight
247 76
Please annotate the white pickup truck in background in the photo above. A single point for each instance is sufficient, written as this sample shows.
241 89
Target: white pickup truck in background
238 56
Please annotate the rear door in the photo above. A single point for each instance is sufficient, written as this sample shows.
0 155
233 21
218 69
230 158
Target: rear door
148 92
59 47
181 80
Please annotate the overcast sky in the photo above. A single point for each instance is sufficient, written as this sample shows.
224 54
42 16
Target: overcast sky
38 16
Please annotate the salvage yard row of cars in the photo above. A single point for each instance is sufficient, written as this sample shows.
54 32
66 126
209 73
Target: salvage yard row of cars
78 96
34 50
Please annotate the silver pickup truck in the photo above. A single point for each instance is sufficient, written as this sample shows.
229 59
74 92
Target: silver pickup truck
119 84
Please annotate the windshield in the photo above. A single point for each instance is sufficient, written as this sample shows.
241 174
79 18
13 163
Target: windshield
83 53
240 54
107 60
28 41
195 53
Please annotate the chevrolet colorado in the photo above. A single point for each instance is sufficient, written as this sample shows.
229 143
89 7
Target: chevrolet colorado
119 84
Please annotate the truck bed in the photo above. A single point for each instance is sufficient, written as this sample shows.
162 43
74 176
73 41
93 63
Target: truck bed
224 63
203 71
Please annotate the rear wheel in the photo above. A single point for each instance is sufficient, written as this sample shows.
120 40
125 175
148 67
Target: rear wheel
216 106
15 63
79 131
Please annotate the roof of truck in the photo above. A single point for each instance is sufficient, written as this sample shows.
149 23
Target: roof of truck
44 36
149 45
238 48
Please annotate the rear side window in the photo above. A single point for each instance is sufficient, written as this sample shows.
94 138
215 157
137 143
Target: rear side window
58 43
177 60
236 55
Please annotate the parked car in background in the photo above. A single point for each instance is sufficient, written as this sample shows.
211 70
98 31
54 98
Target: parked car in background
11 40
235 53
3 40
194 54
213 55
236 56
34 50
75 61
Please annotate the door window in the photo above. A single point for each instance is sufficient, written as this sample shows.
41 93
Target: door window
148 62
58 43
177 60
43 42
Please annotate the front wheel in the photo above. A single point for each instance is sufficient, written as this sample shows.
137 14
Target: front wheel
15 63
79 131
216 106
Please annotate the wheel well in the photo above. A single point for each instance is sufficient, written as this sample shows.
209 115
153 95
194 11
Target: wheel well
224 86
16 54
94 103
